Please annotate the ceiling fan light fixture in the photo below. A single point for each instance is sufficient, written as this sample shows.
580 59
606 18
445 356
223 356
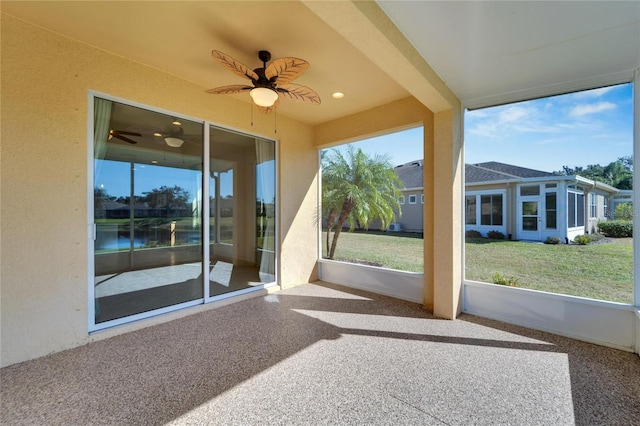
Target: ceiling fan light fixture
174 142
263 96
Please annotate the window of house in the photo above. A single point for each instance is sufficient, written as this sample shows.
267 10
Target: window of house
530 190
593 205
401 199
605 204
422 199
170 226
412 199
491 209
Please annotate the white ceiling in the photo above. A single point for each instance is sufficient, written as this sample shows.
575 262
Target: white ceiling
491 52
486 52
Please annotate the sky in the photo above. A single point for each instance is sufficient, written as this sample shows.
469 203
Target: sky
578 129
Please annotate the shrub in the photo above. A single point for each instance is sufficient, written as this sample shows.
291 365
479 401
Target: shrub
583 240
553 240
502 280
623 211
616 228
495 235
473 234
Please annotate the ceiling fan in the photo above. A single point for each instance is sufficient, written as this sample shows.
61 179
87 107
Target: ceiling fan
172 136
122 135
269 82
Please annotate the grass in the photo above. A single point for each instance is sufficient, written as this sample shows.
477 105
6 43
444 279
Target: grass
403 252
599 271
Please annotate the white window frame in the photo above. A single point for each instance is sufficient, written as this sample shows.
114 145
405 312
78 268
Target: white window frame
414 198
401 199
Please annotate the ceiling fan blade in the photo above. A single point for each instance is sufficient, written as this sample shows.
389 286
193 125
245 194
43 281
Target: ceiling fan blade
299 93
124 138
233 65
122 132
227 90
285 69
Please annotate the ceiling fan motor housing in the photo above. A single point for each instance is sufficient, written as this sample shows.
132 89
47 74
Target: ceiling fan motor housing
263 81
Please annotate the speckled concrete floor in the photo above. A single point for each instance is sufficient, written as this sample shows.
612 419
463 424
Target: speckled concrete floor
324 354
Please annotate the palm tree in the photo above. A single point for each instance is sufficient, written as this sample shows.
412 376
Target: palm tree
357 188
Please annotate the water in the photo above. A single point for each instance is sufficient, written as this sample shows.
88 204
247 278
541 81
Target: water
112 241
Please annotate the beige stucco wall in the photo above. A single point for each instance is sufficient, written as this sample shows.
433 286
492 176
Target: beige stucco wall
44 246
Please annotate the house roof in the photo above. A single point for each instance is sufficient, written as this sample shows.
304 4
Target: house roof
411 174
493 170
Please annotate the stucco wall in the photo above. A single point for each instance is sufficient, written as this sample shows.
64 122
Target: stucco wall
44 246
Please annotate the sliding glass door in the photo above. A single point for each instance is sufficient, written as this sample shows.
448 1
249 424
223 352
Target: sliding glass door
150 213
242 211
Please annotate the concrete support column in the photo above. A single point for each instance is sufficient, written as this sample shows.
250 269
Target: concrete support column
445 257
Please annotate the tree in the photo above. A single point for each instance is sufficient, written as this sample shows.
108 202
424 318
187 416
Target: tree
357 188
101 198
618 174
170 198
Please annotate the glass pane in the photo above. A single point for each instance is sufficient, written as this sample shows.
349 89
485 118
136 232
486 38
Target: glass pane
242 213
550 203
551 219
529 208
580 209
530 190
530 223
485 210
572 209
148 198
497 210
470 201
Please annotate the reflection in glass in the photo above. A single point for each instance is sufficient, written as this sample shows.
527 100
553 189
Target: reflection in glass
242 211
148 215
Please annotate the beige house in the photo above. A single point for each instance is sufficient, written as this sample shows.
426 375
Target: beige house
106 101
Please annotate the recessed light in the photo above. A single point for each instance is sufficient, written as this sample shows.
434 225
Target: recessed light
337 95
176 123
154 161
157 134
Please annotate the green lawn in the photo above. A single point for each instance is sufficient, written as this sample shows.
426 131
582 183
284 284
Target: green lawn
599 271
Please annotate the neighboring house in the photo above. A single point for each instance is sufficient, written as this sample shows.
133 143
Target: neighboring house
522 203
412 199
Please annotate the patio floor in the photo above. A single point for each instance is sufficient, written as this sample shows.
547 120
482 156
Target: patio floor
325 354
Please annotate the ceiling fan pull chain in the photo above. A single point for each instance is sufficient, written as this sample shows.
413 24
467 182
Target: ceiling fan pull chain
251 107
275 121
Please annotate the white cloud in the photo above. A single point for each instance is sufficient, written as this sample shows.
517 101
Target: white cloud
514 113
584 109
